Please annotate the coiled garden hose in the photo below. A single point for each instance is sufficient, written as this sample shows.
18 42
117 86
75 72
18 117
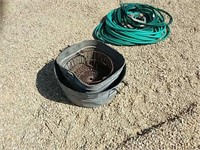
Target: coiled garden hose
134 24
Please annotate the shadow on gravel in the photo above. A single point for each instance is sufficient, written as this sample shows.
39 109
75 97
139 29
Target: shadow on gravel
1 14
48 86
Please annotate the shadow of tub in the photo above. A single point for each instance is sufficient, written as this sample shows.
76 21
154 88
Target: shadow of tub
48 86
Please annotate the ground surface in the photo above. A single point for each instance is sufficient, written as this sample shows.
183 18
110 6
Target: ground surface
159 109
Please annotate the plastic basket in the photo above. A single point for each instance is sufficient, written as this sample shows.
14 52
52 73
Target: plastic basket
91 67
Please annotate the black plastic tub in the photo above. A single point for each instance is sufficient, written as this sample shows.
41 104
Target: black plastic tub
85 99
113 65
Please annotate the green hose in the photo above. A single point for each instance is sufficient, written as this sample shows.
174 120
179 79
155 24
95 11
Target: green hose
133 24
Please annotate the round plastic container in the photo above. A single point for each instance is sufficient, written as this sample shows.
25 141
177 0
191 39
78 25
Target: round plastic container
85 99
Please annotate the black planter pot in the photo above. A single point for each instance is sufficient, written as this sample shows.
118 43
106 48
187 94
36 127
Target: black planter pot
87 99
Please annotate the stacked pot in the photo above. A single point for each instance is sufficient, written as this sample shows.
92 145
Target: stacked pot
89 73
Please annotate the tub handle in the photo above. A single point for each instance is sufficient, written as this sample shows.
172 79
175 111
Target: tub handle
125 83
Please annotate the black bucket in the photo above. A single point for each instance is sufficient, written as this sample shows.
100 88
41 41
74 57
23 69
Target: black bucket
85 99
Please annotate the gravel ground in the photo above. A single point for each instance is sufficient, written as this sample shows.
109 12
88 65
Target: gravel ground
159 109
